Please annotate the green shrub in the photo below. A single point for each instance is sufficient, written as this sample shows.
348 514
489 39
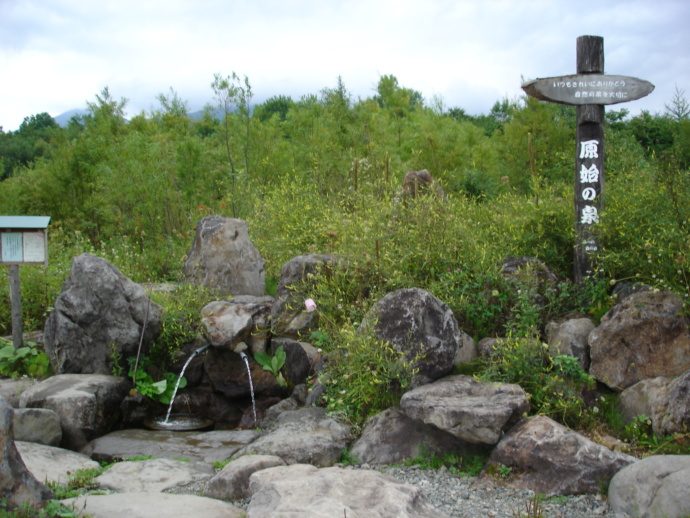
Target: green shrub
29 360
364 376
553 385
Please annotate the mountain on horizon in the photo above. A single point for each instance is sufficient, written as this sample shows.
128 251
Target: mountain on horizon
64 118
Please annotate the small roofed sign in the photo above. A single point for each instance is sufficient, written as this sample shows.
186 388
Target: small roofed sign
588 89
23 239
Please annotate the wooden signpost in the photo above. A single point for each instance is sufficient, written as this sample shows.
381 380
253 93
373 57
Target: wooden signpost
590 90
23 240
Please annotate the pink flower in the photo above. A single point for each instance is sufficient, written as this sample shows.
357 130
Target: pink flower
310 305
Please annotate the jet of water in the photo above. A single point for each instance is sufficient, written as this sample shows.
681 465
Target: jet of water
177 385
251 384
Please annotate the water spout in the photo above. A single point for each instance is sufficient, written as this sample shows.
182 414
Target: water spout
177 385
251 384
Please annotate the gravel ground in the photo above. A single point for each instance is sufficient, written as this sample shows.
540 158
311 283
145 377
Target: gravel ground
471 497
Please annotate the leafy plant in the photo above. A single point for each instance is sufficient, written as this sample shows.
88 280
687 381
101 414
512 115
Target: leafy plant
161 391
273 364
27 360
347 458
553 386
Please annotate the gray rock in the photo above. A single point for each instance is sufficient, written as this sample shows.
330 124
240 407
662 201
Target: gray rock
303 436
154 475
467 351
88 404
289 316
548 458
570 338
644 336
224 259
228 323
39 425
216 446
654 487
391 437
486 346
420 183
421 327
152 505
300 359
303 490
664 400
50 464
11 389
17 485
473 411
98 312
232 482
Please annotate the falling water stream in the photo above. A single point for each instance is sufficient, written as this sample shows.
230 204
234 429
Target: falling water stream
251 384
177 385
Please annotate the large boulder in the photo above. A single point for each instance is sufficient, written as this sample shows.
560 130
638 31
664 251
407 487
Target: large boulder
664 400
654 487
303 490
17 485
391 437
99 315
224 259
289 315
644 336
470 410
421 327
303 436
88 404
546 457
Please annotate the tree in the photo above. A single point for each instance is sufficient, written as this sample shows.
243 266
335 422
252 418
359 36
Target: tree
106 114
679 109
24 146
278 105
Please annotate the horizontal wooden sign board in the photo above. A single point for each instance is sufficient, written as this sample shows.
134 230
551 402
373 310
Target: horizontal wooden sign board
588 89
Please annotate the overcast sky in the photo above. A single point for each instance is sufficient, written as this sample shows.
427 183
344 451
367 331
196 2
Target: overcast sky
55 55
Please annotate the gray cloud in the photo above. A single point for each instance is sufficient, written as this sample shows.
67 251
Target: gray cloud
58 54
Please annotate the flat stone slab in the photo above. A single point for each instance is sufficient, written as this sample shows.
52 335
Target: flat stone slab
155 475
208 447
152 505
50 464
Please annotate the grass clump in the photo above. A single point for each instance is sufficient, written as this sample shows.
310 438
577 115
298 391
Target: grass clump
461 464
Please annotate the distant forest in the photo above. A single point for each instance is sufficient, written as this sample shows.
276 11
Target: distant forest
322 173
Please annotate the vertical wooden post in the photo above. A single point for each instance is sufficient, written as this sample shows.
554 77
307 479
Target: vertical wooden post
16 307
589 162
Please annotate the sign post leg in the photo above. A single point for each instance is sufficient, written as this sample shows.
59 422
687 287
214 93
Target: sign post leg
589 163
16 303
